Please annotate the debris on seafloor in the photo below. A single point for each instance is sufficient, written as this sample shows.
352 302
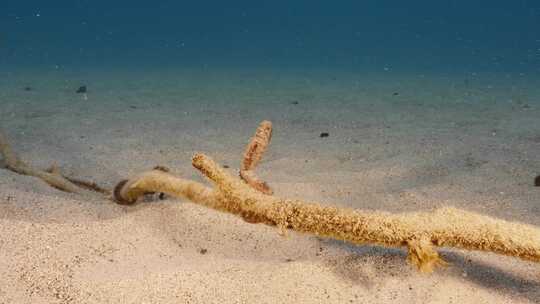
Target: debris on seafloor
419 232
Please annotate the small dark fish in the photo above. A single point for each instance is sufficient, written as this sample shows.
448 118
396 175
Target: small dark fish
324 134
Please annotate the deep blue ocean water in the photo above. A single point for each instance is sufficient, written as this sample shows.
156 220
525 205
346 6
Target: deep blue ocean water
411 36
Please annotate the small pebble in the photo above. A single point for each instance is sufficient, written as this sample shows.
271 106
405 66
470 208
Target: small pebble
203 251
324 134
81 89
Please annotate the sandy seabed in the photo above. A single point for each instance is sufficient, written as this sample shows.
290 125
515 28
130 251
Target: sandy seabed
397 142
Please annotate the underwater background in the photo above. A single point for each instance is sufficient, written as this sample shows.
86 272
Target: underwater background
393 106
393 36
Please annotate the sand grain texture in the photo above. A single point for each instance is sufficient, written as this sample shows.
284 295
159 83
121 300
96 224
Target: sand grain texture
434 145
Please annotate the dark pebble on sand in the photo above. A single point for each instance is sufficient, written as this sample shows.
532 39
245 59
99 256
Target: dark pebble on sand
81 89
203 251
324 134
537 181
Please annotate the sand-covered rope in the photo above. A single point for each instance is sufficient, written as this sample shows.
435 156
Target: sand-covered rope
128 191
420 232
51 176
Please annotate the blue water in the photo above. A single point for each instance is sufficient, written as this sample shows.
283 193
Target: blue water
412 36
